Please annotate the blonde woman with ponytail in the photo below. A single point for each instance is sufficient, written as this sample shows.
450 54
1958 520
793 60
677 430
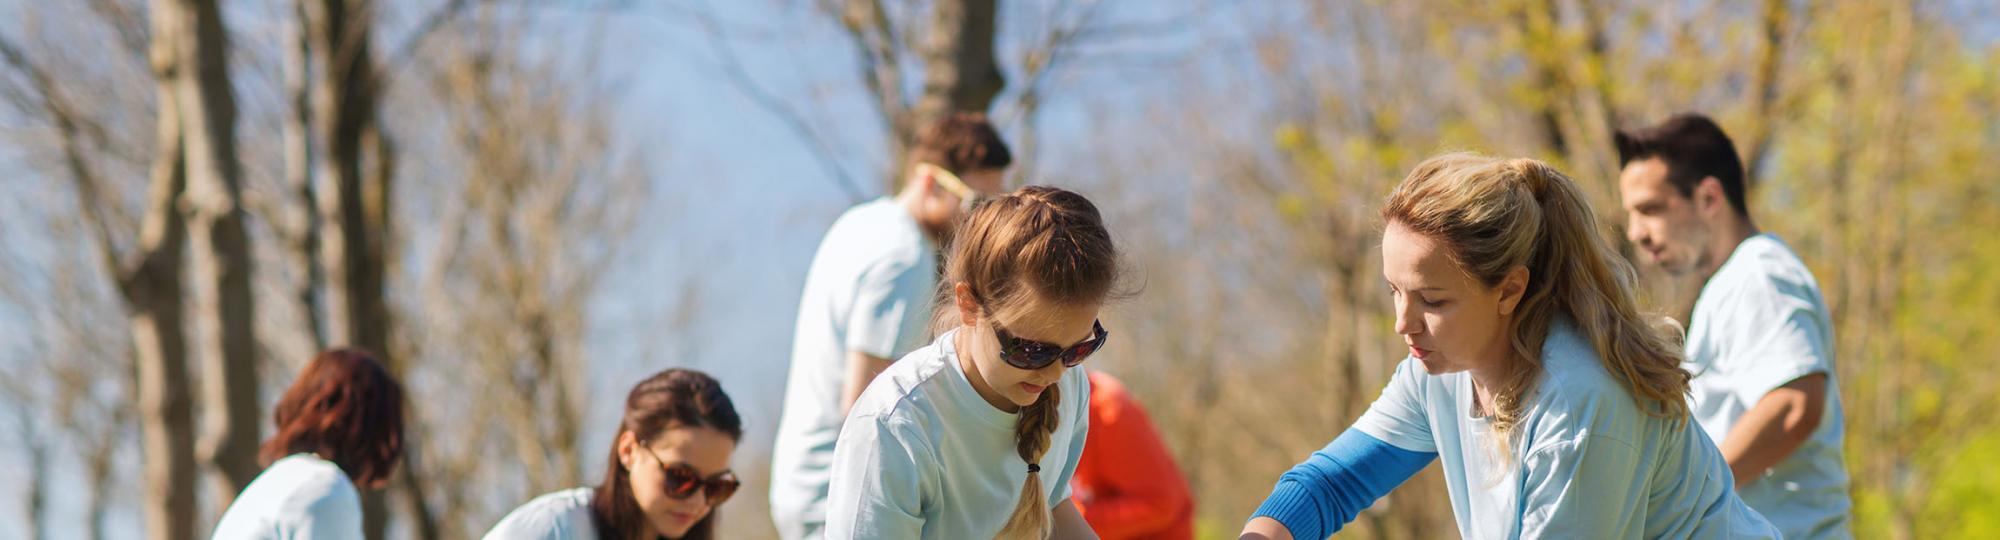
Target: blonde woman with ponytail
1556 407
978 435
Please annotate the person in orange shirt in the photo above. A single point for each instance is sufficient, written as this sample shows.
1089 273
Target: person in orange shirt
1127 485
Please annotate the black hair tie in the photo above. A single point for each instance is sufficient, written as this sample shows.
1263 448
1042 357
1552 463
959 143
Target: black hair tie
1034 468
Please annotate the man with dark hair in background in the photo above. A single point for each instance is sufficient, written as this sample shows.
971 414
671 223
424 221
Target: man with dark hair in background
868 300
1760 341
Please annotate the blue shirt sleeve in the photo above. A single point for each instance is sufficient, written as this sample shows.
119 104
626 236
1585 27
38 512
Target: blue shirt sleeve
1401 416
1318 497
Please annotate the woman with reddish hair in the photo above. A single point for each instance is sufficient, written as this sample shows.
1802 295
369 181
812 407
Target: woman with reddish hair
668 470
339 426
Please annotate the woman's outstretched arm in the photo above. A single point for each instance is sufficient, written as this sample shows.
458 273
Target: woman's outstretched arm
1318 497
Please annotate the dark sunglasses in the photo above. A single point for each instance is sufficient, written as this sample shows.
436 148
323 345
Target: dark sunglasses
682 481
1032 355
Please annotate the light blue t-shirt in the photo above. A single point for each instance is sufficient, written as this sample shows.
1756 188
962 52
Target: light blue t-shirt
563 515
300 497
1587 462
1761 323
870 290
923 456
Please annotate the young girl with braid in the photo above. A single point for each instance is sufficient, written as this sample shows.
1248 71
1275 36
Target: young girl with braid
978 434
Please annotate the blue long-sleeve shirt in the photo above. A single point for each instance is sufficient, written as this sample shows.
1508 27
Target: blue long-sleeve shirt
1318 497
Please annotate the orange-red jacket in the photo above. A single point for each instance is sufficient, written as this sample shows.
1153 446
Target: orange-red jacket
1126 483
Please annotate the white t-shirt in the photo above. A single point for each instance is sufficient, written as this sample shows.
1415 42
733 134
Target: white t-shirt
1587 461
563 515
299 497
1760 323
923 456
870 290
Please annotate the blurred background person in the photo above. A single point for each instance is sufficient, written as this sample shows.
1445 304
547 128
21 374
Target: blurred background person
339 427
1127 485
1760 342
868 300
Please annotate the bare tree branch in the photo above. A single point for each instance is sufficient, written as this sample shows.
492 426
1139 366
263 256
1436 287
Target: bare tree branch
1055 49
83 176
129 26
401 56
875 42
1776 21
732 67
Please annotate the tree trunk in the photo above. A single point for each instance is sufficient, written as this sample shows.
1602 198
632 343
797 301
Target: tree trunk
221 247
1757 145
353 248
148 282
99 468
305 241
960 73
165 406
38 475
356 311
152 293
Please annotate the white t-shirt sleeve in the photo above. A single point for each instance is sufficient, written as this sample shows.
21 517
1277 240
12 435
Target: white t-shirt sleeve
548 517
1080 422
1582 488
333 516
879 483
888 314
1772 337
529 527
1398 417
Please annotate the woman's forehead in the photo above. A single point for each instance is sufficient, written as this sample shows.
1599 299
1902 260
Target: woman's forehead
1413 262
705 449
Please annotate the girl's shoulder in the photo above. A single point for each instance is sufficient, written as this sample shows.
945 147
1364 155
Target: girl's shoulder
1076 387
902 389
1076 392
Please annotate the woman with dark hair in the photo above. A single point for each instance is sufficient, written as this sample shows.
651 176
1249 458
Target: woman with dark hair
668 470
340 425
